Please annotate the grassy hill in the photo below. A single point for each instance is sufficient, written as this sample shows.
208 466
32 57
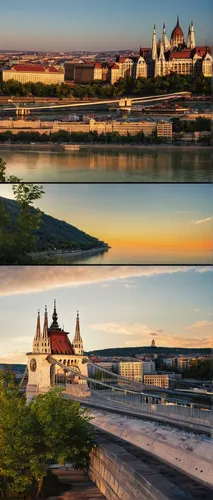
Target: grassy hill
53 233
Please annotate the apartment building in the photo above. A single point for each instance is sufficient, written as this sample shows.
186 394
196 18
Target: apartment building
158 379
165 129
133 370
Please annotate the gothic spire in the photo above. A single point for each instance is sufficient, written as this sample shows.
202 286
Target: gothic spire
154 44
77 341
38 328
77 337
54 317
45 327
192 34
178 21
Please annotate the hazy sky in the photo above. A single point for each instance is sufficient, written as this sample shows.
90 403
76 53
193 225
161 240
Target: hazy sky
119 306
174 220
68 25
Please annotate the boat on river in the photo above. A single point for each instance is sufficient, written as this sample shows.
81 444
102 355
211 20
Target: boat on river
72 147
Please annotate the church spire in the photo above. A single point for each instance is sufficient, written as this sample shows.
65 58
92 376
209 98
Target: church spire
54 317
38 328
77 337
45 327
178 21
154 44
77 341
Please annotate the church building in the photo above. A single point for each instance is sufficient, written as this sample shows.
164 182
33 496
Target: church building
52 345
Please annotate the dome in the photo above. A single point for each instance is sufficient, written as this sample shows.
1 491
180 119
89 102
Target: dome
177 31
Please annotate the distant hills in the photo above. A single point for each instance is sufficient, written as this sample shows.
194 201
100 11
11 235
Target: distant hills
133 351
54 233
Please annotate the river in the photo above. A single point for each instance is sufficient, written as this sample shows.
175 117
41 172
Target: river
137 254
109 164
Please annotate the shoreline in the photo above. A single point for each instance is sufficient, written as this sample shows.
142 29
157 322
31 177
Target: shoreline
59 147
72 255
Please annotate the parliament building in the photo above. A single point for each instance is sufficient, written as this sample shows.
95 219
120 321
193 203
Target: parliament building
179 55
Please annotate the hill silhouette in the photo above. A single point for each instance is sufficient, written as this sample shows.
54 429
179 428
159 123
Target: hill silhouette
53 233
134 351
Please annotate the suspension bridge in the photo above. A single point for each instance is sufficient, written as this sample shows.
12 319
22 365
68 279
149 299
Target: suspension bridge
123 103
105 389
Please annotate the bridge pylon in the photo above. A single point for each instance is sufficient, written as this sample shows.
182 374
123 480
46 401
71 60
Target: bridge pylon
125 104
21 112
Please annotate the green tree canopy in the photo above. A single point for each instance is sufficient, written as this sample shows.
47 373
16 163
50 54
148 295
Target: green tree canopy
49 428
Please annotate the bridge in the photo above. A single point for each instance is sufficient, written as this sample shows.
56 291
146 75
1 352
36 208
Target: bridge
124 103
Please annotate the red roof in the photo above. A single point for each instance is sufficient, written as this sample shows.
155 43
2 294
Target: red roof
201 51
60 343
184 54
98 65
177 32
34 68
115 66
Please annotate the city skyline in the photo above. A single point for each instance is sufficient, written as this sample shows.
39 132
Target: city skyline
119 305
62 27
135 220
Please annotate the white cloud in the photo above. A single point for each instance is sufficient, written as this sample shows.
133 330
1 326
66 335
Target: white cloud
132 329
33 279
200 325
205 269
201 221
163 339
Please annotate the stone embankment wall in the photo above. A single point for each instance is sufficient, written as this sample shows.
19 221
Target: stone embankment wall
121 476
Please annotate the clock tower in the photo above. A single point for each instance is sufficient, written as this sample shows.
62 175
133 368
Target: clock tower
50 345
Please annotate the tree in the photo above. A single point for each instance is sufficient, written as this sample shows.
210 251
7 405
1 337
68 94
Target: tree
49 428
17 445
17 241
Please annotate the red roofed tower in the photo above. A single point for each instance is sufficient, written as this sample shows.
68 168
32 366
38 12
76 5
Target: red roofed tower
49 347
59 341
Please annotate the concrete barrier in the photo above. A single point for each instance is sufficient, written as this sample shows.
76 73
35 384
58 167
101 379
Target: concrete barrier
188 452
121 476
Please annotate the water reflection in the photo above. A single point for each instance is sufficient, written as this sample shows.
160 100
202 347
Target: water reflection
110 164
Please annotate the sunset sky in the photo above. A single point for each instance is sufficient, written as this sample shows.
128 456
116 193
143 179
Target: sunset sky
119 306
69 25
157 223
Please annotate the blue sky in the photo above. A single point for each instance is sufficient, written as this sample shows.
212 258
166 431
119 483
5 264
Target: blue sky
70 25
119 306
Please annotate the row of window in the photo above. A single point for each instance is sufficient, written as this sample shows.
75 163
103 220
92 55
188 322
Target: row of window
69 362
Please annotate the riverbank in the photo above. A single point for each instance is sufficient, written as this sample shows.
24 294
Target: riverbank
60 147
71 255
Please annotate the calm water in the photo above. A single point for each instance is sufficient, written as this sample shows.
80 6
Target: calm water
110 165
135 255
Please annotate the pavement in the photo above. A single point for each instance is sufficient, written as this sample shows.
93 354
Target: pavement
82 488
